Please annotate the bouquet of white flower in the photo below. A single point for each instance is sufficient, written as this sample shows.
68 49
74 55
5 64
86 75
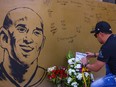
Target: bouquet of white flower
78 74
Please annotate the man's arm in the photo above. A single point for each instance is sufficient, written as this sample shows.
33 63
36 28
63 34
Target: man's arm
90 54
95 66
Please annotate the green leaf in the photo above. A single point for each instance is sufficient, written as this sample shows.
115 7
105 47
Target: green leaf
70 55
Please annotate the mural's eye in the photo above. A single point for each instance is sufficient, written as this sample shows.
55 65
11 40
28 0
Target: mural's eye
21 29
37 32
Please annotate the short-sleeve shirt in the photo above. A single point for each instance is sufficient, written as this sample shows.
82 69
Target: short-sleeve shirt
107 53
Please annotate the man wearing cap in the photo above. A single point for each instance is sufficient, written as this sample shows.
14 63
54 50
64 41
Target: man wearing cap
106 55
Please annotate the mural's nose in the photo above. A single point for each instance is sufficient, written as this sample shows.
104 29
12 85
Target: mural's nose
28 40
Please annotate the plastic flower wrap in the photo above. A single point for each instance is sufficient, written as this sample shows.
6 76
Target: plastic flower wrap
57 75
78 74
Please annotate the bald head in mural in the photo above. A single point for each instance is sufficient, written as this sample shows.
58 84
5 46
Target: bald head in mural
22 38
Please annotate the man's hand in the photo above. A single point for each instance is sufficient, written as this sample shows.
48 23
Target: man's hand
84 61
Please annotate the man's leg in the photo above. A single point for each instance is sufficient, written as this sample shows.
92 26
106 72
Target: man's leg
106 81
98 83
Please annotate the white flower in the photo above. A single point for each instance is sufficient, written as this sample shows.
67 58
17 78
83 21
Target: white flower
79 76
71 61
71 66
92 77
70 71
78 66
86 74
77 69
51 68
69 79
74 84
75 73
77 60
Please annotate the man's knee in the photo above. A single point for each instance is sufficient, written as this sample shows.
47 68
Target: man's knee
94 84
97 83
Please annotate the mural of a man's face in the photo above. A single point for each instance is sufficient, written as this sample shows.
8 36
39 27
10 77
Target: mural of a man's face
26 35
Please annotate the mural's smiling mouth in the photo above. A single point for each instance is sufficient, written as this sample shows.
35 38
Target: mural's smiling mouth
26 48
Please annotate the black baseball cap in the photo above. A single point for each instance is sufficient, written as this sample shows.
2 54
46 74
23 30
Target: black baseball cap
103 27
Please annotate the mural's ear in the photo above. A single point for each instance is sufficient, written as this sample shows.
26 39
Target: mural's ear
4 38
44 38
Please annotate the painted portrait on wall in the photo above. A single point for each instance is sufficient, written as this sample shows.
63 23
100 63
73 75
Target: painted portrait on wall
22 40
